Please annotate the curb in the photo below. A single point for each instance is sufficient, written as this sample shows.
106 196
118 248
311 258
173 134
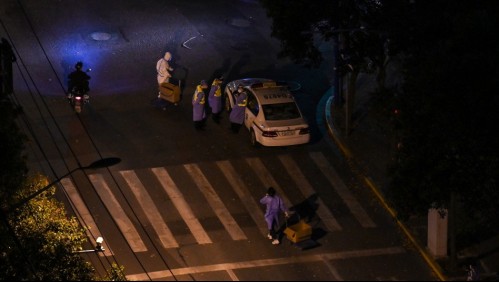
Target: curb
345 151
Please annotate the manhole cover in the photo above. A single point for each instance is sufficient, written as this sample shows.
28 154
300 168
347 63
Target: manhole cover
100 36
239 22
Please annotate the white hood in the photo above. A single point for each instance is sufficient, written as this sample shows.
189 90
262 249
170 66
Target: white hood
168 56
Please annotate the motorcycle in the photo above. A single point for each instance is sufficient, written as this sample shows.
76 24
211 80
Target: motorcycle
78 88
77 99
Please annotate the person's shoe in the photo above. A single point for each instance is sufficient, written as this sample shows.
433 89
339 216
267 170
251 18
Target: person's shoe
275 242
269 236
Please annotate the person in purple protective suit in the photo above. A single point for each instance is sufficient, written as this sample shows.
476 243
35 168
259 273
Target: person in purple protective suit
198 106
215 99
236 116
275 205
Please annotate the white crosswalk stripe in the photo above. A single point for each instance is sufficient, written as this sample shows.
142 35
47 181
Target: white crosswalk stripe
182 206
172 188
84 214
302 183
245 196
150 210
342 190
267 179
122 220
215 202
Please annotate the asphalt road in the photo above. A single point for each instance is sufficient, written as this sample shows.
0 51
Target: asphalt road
182 204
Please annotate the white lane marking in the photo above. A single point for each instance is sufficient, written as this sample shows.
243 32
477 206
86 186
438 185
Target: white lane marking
302 183
242 191
267 179
162 274
125 225
342 190
84 216
215 202
182 206
150 209
334 271
232 275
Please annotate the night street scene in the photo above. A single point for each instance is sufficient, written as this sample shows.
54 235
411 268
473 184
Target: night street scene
249 140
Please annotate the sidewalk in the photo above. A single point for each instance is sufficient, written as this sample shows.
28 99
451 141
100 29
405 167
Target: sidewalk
368 149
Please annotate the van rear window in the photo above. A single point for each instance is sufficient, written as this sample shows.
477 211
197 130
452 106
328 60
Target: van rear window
282 111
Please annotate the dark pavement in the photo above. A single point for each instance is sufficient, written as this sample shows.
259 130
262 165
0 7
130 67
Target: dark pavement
368 149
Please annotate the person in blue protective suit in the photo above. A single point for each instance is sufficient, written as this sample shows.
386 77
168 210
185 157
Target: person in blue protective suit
236 116
215 99
274 205
198 106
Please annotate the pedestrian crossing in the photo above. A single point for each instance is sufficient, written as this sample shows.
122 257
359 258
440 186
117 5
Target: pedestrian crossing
307 190
172 186
124 223
147 204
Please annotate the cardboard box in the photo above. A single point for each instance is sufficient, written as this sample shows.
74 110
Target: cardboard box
170 92
298 232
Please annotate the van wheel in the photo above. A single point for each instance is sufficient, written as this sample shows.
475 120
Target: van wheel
253 140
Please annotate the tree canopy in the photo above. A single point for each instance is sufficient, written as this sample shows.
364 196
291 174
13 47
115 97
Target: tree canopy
13 161
44 241
448 112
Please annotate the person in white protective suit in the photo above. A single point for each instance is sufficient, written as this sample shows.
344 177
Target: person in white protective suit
163 68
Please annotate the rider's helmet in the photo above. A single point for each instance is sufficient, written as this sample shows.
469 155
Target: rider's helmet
79 66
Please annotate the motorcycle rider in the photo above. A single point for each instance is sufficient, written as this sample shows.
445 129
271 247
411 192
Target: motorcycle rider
78 82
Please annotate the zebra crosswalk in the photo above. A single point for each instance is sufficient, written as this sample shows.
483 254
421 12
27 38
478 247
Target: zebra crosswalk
153 215
173 185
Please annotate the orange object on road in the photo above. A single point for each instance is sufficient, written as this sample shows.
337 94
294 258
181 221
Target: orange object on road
298 232
170 92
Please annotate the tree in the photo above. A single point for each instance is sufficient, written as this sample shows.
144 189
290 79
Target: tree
47 240
13 161
353 27
115 273
447 113
44 242
6 59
